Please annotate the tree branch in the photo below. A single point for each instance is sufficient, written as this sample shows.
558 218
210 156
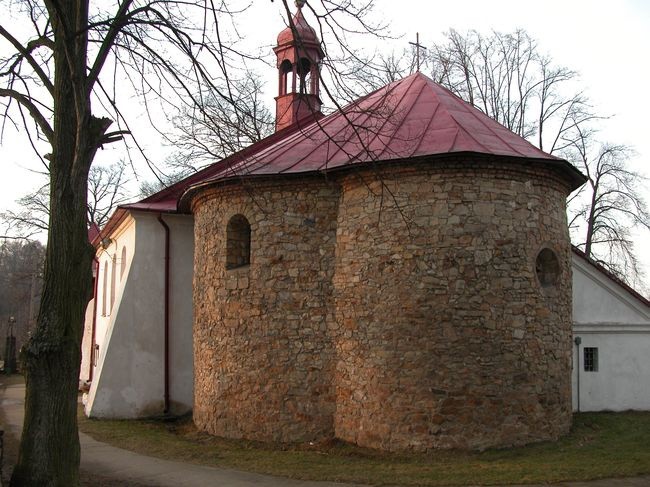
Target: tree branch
27 102
26 53
114 30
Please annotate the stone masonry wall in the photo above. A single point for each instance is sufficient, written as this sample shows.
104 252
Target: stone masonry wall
444 336
396 311
261 346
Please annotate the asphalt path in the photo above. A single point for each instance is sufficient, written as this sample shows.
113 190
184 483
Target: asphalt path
115 466
105 465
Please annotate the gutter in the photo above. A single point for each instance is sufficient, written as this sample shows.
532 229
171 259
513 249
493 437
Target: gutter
578 341
166 331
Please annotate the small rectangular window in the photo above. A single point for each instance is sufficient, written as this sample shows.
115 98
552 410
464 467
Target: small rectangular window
591 359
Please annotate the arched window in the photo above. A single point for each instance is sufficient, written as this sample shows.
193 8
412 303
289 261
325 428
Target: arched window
113 272
238 242
123 263
285 71
104 287
304 73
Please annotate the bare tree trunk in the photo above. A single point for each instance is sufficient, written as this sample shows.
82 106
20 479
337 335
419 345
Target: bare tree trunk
49 450
591 220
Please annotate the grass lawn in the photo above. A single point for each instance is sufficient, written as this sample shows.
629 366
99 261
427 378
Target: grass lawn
600 445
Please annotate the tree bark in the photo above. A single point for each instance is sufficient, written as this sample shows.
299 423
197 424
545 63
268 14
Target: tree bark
49 451
591 217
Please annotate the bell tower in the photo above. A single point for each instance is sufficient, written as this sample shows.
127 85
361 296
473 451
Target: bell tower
298 61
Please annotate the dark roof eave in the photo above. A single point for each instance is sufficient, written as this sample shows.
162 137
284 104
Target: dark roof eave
114 221
574 177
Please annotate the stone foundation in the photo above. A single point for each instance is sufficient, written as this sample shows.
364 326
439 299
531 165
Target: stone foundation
399 309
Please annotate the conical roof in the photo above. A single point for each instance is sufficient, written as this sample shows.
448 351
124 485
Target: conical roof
410 119
305 34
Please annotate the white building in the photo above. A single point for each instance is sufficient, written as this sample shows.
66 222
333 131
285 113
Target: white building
137 347
611 329
137 369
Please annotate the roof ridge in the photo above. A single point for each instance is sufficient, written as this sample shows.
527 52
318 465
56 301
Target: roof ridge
464 104
408 112
385 119
331 137
426 130
389 88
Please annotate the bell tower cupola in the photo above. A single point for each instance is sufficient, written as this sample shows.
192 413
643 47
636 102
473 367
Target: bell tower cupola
299 55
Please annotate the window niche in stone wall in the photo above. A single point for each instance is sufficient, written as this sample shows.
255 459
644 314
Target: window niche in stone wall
238 242
547 268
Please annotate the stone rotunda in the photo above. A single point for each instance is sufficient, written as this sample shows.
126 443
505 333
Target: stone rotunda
396 275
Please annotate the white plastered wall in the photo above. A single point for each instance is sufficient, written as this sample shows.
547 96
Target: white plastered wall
608 317
86 344
128 381
181 355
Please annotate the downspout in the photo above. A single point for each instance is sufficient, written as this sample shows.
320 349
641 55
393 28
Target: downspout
93 352
578 341
166 332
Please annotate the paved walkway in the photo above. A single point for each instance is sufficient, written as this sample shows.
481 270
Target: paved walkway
105 460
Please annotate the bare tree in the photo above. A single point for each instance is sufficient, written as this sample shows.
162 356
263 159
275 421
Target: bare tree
218 129
106 191
53 79
31 219
506 77
605 210
148 188
367 75
21 272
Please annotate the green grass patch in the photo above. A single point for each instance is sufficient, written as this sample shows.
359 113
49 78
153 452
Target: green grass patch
600 445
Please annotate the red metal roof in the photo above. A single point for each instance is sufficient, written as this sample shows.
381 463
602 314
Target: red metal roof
303 29
93 232
410 118
166 200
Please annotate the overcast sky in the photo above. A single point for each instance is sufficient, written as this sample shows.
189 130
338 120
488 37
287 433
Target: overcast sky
607 42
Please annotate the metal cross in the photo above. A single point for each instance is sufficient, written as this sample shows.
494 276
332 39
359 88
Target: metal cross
418 46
